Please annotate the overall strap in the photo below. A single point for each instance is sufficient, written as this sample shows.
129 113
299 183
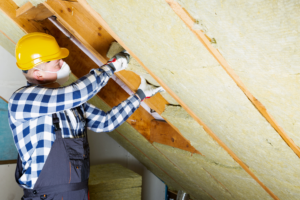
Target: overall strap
57 128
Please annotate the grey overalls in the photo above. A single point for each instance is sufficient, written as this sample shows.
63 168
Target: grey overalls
66 171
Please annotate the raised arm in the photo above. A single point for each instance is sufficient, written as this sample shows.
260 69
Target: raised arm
100 121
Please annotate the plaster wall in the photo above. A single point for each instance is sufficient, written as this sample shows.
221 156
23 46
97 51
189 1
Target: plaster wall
10 80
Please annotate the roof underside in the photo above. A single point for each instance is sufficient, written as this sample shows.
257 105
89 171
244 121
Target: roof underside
232 69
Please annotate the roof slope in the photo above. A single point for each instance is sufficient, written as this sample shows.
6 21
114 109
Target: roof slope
243 156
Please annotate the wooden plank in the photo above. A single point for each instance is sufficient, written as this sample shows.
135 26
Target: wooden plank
161 132
205 41
23 9
9 7
82 26
195 117
38 13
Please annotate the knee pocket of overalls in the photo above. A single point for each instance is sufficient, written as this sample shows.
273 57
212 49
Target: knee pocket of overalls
78 152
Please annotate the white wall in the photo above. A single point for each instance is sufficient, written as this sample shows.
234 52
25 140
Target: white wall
103 148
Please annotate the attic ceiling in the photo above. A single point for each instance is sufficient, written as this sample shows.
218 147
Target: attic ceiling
230 67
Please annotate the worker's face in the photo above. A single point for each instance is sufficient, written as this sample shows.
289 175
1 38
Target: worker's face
44 75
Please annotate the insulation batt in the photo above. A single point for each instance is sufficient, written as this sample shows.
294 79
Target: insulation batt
11 29
113 181
34 2
215 160
172 52
261 42
163 168
233 180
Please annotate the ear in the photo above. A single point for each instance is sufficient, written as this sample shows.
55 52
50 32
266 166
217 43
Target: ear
38 75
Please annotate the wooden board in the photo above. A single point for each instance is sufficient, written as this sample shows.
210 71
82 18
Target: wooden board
83 26
161 132
29 11
8 151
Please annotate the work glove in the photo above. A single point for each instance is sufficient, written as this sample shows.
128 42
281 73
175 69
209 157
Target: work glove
146 90
119 61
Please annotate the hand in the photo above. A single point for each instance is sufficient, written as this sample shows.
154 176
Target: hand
119 61
146 90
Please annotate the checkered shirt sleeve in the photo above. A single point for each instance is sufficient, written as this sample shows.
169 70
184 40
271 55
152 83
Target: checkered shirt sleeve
30 118
100 121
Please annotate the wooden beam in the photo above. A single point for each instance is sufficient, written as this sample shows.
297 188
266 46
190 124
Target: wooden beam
161 132
195 117
27 25
82 26
38 13
23 9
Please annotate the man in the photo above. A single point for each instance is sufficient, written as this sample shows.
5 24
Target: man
49 122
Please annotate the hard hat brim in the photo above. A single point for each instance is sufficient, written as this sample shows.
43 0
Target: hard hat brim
63 53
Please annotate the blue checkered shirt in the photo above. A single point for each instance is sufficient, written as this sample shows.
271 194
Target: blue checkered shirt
30 118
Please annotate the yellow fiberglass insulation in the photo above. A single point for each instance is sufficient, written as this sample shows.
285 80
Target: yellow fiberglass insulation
161 40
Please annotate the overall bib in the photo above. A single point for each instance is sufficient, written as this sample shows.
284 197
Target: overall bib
66 171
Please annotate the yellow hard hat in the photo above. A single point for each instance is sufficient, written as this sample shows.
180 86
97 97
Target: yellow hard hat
36 48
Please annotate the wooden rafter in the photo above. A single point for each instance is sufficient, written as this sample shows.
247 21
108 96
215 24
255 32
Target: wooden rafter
96 15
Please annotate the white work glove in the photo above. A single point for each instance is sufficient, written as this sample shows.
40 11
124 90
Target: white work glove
146 90
119 61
